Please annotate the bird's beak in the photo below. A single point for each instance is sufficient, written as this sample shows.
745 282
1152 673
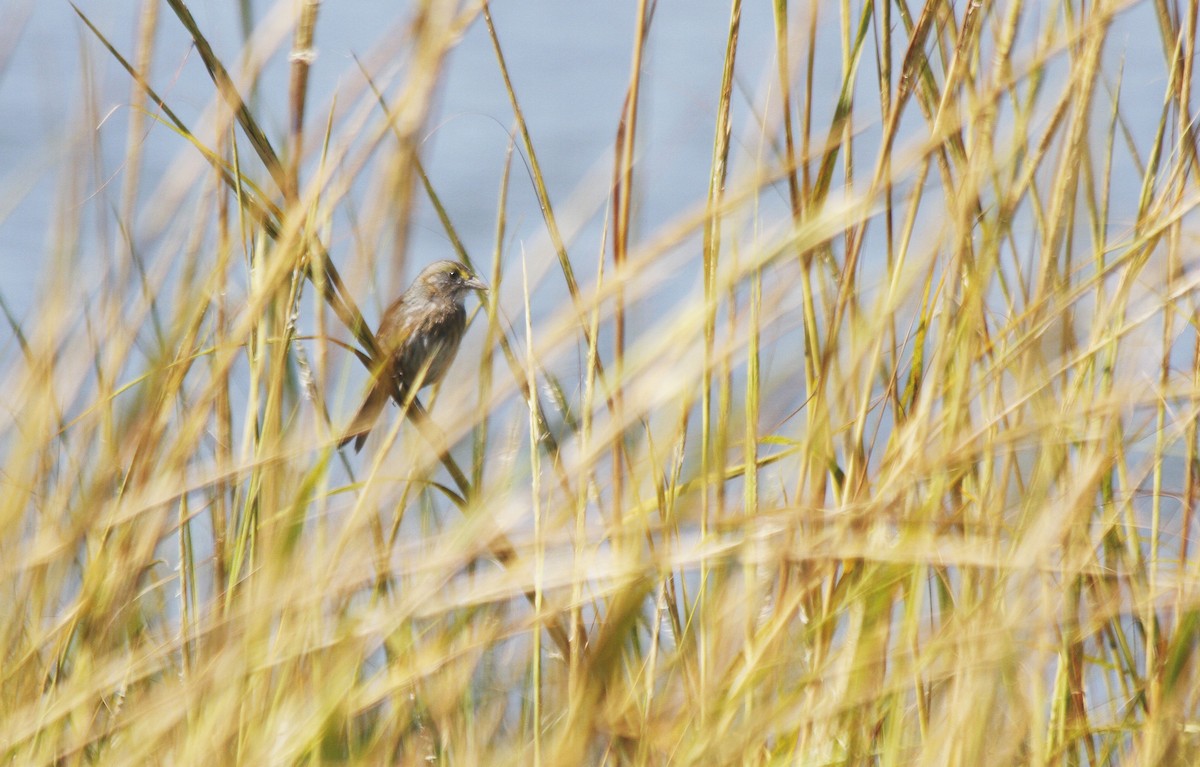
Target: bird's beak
476 284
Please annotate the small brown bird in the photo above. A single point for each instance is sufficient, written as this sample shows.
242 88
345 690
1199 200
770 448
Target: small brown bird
418 338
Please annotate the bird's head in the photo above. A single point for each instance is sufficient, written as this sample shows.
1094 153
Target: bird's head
449 279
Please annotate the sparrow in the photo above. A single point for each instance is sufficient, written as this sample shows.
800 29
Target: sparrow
418 337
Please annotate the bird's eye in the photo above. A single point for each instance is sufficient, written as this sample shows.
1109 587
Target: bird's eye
454 275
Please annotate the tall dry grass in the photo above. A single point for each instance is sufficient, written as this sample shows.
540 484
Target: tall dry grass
886 453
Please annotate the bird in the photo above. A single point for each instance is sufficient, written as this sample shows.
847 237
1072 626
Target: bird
418 337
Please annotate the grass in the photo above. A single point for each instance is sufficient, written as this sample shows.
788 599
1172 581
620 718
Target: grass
902 473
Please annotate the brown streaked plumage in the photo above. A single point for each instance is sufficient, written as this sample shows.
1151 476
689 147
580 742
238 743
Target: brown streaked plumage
418 337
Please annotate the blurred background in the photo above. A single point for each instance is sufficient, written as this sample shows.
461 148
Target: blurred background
65 104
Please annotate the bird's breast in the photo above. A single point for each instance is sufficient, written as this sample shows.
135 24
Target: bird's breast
431 346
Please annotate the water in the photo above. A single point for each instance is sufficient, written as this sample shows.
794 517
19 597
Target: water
569 63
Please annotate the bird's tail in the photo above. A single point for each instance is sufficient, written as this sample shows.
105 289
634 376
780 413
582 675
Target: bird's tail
366 417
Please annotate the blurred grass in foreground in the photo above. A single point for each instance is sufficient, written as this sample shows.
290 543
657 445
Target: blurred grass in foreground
906 478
